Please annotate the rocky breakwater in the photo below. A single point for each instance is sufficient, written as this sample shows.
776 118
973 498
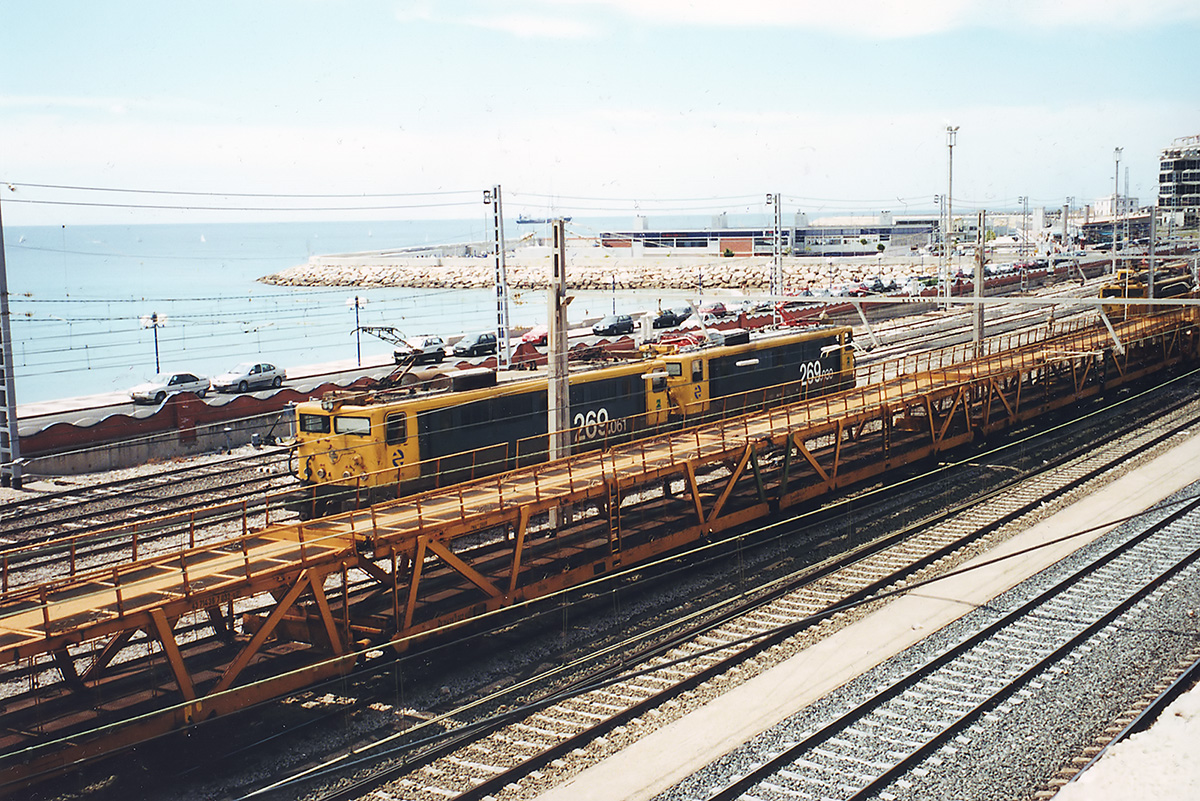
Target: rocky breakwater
585 270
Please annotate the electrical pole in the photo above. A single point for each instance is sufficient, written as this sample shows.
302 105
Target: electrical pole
1066 215
941 204
1116 195
503 348
1150 254
10 435
980 257
951 136
777 256
559 391
357 331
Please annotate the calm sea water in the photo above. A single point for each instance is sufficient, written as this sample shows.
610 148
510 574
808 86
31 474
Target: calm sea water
80 296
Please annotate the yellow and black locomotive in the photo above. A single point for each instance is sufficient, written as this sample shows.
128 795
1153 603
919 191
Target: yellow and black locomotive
358 448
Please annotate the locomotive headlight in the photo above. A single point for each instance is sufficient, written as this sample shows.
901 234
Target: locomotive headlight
321 472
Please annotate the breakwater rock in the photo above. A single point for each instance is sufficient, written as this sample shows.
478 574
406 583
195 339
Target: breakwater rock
587 271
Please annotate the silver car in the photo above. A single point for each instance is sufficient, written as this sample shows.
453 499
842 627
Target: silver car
160 386
250 375
426 348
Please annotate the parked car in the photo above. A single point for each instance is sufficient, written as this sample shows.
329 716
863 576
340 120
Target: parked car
716 309
476 344
668 318
614 324
426 348
160 386
536 335
665 319
249 375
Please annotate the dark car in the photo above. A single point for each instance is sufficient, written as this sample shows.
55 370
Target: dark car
668 318
614 324
476 344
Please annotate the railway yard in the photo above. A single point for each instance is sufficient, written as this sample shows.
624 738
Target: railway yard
961 577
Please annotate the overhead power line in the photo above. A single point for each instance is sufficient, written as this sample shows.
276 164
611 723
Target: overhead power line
170 207
187 193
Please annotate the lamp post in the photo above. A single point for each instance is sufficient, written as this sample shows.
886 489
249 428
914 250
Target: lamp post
357 303
155 321
1116 195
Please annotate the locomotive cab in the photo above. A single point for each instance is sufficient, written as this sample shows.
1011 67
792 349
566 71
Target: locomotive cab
346 450
687 384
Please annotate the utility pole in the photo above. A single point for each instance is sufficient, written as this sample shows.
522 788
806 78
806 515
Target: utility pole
10 435
980 258
1150 254
503 348
941 204
559 391
951 136
1066 215
357 331
777 256
1116 195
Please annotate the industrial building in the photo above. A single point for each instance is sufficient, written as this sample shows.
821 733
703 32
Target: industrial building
1179 181
849 236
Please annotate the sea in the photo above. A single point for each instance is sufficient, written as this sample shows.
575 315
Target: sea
99 308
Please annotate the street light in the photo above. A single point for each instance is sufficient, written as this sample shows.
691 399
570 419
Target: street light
156 321
357 303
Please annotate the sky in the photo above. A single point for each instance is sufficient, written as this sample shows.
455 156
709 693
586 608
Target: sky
583 107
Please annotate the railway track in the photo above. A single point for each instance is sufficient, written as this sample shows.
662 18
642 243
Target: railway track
902 335
888 741
1140 717
469 761
101 522
99 505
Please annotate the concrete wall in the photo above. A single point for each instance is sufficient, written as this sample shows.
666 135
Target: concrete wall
203 438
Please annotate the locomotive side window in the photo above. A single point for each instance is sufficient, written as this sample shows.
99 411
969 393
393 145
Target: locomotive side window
674 369
397 428
352 425
314 424
697 370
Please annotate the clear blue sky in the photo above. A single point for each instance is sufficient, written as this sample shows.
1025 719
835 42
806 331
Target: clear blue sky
596 104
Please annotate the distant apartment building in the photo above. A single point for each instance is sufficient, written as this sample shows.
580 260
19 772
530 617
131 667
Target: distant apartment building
1179 181
1121 205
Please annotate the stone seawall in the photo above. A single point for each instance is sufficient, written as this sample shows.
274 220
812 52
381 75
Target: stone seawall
584 271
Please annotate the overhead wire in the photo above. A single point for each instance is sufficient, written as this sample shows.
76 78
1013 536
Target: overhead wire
183 192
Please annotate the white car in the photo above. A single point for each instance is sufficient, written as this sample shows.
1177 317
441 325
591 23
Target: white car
160 386
250 375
